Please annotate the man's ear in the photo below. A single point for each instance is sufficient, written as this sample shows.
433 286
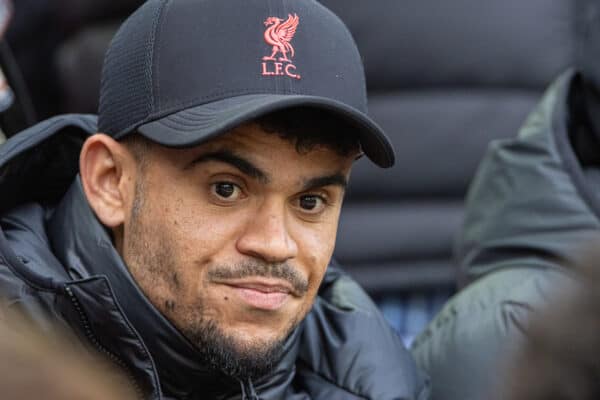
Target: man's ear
107 171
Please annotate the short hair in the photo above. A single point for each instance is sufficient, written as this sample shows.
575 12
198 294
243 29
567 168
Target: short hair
307 128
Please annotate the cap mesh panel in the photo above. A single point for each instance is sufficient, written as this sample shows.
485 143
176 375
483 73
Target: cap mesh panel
126 96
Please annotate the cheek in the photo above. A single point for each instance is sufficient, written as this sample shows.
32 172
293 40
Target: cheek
201 230
202 234
316 248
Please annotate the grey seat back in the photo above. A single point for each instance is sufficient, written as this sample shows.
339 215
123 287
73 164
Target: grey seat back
445 78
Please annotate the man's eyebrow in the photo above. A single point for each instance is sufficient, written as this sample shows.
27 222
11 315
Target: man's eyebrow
322 181
228 157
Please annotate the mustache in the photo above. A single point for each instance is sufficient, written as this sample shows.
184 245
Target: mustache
283 271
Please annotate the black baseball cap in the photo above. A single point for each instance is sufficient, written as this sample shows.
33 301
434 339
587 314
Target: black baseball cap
181 72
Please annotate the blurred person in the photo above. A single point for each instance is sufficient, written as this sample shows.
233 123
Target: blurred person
531 206
74 15
39 29
559 358
37 365
16 110
89 26
34 35
188 232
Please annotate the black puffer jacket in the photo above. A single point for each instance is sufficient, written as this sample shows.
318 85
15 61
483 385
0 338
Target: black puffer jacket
57 264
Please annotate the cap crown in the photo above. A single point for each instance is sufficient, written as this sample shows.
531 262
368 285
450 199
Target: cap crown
171 55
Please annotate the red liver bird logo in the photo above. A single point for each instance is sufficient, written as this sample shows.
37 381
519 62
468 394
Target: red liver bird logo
279 34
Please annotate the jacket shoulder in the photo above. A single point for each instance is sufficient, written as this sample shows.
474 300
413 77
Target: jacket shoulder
464 349
348 344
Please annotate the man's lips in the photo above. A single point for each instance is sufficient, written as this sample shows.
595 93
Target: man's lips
265 294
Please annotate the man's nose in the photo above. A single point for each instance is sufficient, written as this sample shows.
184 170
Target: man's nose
267 235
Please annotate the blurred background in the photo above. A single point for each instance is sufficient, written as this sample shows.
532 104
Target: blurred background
444 79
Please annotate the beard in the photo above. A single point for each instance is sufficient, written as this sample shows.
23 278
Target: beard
152 263
223 353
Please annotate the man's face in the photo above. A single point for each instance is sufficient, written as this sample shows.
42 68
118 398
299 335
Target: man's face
230 240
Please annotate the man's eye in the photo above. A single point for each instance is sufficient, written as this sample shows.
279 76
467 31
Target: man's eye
312 203
226 190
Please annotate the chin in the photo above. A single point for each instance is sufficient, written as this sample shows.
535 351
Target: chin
245 354
258 336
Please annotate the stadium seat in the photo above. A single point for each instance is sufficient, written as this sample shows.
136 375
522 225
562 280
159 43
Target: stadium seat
444 79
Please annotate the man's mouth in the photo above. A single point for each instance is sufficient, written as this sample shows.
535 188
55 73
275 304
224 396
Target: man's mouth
262 293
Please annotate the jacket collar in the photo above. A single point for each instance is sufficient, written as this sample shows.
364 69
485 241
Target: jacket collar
86 250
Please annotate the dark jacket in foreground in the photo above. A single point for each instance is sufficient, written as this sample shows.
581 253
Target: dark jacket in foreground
58 265
532 207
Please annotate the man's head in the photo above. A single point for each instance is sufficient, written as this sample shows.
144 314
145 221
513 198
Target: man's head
229 239
227 147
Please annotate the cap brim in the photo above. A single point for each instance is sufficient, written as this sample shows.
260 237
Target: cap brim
195 125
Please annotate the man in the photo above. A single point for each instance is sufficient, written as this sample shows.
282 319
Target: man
189 240
531 208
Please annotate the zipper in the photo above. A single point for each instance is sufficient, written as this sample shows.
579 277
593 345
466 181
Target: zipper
248 391
103 350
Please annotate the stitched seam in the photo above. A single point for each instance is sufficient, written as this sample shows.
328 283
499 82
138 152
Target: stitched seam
152 50
331 382
158 31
